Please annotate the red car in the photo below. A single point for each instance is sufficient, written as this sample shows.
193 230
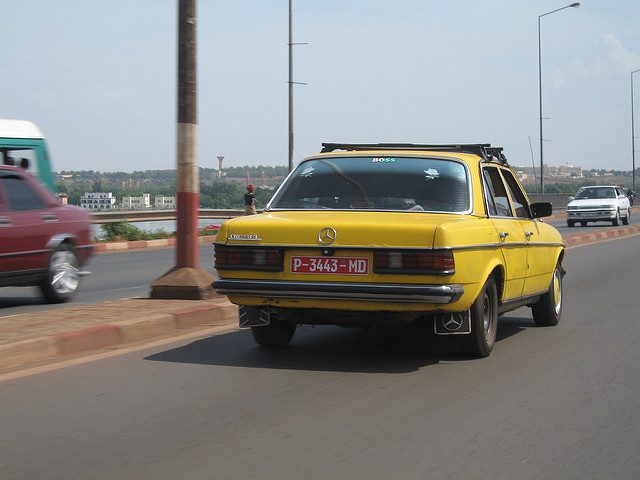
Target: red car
42 243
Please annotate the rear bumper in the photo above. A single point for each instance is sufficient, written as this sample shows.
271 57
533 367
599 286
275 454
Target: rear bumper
373 292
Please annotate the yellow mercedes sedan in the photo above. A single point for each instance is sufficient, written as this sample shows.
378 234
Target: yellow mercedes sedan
441 236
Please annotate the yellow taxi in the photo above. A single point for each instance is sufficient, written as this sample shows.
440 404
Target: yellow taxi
364 234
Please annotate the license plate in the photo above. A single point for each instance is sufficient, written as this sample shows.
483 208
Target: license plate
330 265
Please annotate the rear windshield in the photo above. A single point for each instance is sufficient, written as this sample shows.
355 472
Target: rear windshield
595 192
376 183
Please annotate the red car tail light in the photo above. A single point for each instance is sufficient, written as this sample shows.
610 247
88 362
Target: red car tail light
249 258
423 262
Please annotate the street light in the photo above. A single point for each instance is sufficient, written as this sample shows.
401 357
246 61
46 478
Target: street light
633 138
573 5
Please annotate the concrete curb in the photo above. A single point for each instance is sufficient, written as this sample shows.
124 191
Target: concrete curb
601 235
25 353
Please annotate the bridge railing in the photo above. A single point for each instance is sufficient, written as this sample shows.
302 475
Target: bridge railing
159 215
559 201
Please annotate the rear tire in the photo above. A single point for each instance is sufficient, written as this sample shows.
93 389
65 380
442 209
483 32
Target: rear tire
63 277
484 322
583 224
548 308
570 223
277 334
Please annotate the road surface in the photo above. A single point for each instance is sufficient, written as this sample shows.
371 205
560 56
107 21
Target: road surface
549 403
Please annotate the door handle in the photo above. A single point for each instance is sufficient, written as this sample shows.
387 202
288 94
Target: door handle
528 235
49 217
5 222
503 235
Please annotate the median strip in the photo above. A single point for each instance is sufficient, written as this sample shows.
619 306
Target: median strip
30 339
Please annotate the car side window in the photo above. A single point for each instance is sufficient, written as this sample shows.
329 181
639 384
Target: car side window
517 195
497 200
19 195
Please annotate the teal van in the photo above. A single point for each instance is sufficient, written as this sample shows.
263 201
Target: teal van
23 144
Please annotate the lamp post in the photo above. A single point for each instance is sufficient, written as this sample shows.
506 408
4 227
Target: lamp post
573 5
633 138
291 83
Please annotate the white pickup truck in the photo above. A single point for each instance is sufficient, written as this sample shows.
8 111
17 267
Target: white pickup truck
599 203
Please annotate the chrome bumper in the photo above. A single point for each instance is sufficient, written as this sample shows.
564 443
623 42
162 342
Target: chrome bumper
373 292
591 214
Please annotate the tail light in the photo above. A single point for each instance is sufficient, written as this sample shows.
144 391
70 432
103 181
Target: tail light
249 258
423 262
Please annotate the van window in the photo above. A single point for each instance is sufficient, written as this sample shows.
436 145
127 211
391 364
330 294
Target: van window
20 157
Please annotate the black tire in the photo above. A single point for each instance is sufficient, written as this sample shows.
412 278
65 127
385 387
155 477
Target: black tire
583 224
63 277
625 220
277 334
484 322
570 223
616 221
548 309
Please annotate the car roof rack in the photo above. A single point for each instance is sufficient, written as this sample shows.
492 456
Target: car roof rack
483 150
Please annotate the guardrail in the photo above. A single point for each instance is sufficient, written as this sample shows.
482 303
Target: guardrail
159 215
132 216
558 200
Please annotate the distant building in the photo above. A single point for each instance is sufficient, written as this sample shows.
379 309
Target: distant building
565 170
137 203
130 183
63 198
164 203
98 200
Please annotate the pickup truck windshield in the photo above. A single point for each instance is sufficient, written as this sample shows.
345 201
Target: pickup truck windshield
376 183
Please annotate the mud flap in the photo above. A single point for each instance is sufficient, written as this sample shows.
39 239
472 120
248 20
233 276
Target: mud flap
457 323
254 316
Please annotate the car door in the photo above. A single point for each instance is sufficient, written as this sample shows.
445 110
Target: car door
513 243
24 226
540 259
623 201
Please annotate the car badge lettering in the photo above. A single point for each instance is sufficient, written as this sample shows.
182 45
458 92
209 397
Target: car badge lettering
327 235
245 236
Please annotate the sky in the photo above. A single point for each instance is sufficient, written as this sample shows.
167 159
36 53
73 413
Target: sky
99 78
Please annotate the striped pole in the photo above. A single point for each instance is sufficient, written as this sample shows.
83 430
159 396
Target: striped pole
186 281
187 172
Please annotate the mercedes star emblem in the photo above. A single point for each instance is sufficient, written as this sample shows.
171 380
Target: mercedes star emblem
453 323
327 235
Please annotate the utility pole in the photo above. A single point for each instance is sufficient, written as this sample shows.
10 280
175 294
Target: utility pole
633 139
186 280
291 83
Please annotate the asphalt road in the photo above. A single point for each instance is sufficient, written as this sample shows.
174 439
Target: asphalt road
561 225
549 403
113 276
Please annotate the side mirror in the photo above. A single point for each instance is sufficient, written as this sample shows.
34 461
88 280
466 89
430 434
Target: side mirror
571 199
541 209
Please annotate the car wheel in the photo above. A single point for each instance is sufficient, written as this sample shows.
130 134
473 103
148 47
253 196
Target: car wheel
275 335
583 224
625 220
548 308
616 221
63 277
570 223
484 322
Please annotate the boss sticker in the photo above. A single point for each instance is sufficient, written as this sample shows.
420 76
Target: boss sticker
383 160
